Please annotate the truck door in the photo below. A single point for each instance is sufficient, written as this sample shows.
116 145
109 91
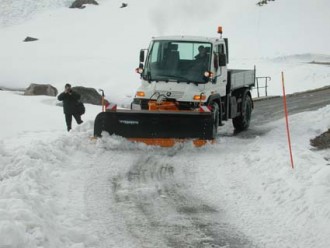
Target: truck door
220 71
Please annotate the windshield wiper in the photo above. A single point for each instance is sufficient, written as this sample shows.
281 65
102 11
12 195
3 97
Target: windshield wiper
147 77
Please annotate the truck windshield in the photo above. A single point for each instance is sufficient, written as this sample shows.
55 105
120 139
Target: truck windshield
180 61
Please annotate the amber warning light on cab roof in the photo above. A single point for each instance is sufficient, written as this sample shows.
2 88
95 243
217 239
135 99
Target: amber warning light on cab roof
220 31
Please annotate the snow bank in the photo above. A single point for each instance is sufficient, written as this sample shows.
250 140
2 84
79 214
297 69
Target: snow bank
36 199
31 155
275 205
56 187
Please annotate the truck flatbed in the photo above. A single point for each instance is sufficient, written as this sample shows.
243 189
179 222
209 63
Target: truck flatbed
240 78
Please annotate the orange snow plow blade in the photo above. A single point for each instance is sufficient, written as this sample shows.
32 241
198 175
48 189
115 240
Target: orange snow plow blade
170 142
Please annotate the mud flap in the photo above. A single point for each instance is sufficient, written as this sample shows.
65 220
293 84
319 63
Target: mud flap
156 124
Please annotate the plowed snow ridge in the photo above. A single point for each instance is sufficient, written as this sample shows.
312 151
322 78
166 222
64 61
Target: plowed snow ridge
63 190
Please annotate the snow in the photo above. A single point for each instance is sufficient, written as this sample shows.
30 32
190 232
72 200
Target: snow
299 74
32 179
99 46
60 189
16 11
265 197
25 110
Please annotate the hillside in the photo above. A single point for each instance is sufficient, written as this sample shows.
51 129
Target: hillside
13 12
98 46
62 189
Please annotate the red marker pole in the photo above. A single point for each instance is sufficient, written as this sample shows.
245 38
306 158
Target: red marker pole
287 121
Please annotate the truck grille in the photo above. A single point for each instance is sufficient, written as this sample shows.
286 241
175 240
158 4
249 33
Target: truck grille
171 94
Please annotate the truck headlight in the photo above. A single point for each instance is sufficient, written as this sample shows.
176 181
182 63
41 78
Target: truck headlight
140 94
208 74
200 97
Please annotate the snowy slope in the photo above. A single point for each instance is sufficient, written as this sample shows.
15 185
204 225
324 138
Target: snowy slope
63 190
300 75
99 46
15 11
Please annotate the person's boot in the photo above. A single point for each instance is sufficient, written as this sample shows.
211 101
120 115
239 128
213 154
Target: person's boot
78 119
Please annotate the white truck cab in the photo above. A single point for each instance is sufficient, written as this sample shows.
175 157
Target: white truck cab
185 68
192 71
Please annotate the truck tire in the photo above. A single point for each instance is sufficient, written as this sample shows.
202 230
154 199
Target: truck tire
242 122
216 114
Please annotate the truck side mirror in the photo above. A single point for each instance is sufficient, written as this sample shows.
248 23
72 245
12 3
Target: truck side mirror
141 56
216 61
222 59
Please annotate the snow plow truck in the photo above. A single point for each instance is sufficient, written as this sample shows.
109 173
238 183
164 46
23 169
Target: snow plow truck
186 93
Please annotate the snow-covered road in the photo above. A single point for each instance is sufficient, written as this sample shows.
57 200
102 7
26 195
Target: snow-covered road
64 190
150 200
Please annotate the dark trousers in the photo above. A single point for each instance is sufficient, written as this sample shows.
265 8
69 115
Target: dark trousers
68 120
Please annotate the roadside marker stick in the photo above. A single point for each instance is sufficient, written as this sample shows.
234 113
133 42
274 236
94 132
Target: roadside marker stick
287 121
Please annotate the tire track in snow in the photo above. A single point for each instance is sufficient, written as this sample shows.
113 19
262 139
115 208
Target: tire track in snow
159 210
106 221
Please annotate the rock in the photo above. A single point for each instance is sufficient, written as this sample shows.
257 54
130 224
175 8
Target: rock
79 4
322 141
41 89
88 95
123 5
28 39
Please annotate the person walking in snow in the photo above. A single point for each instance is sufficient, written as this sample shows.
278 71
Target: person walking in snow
70 101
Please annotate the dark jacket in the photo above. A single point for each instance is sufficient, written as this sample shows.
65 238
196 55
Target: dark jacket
70 101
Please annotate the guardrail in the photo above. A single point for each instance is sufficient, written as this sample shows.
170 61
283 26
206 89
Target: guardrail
265 81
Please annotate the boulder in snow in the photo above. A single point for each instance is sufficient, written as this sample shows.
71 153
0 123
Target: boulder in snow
28 39
80 4
88 95
40 89
322 141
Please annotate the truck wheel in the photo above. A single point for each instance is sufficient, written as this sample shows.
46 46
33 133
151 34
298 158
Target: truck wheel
215 110
242 122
